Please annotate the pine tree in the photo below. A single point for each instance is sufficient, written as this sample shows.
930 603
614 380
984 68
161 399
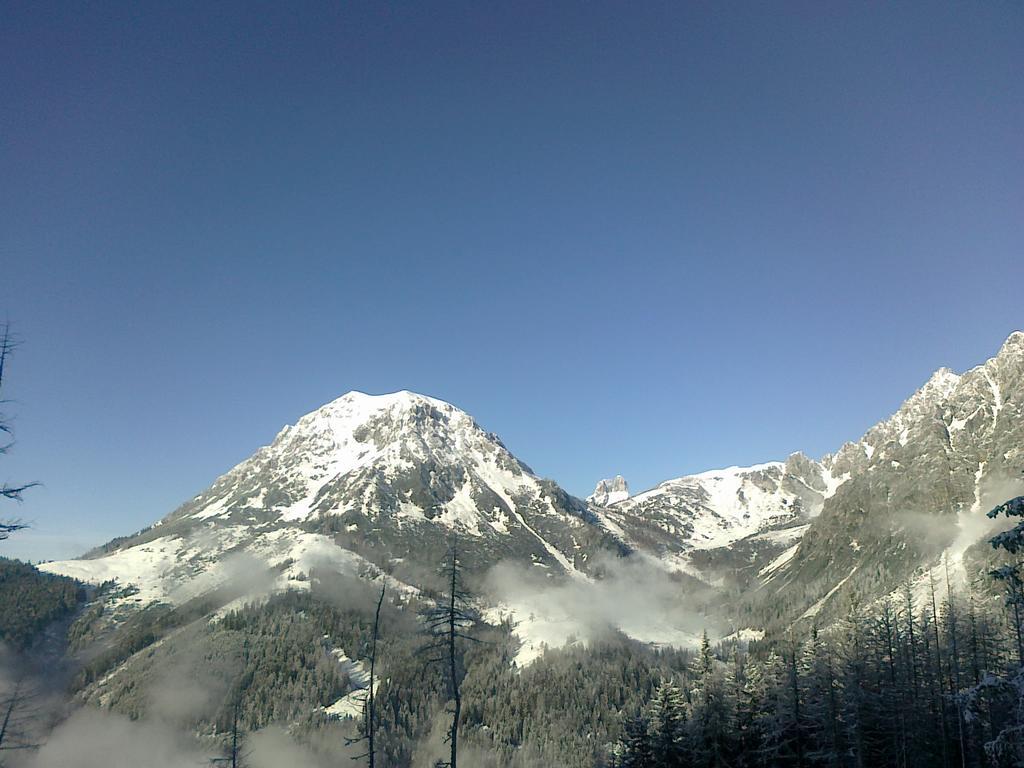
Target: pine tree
712 721
751 704
235 752
1012 542
634 748
775 723
668 727
892 698
857 703
1003 696
793 689
821 702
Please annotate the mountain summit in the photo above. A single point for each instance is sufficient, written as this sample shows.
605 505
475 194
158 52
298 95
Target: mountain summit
609 491
376 482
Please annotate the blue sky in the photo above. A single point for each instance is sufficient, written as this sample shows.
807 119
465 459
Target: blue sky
647 238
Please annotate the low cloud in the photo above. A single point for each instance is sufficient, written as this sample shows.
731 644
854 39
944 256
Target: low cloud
274 748
974 524
236 575
179 697
435 748
634 595
91 738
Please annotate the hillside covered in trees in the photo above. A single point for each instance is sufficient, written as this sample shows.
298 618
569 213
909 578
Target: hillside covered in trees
30 600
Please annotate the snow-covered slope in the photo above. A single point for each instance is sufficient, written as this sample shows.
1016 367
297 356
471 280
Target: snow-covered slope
719 507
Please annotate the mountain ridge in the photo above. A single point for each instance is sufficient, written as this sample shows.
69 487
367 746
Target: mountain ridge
374 483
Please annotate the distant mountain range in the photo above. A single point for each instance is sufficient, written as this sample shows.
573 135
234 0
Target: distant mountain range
368 484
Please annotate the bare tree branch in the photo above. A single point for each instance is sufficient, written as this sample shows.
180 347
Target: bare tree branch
369 703
445 624
12 492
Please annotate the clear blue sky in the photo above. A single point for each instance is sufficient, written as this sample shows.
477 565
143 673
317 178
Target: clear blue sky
647 238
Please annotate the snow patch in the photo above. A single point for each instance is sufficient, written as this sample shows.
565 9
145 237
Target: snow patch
351 704
770 569
815 609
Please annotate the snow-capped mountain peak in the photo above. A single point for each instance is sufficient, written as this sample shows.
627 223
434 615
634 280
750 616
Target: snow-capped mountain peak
367 440
363 479
609 491
1014 344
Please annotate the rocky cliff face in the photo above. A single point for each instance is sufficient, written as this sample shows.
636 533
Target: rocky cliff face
913 485
609 492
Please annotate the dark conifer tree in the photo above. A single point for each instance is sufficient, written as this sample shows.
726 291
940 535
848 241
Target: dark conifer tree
668 727
447 623
712 722
634 748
